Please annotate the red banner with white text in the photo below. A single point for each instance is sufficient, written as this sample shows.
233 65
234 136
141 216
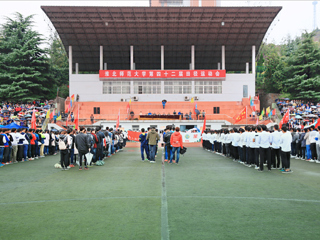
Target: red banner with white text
211 74
133 136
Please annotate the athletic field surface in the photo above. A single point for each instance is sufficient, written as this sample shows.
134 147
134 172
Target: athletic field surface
205 196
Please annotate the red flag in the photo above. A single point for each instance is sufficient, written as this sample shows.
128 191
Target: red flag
51 114
280 124
242 115
68 108
118 120
285 119
204 124
76 120
33 120
128 108
273 112
67 121
317 124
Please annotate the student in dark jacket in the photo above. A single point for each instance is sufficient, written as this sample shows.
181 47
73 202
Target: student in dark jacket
166 139
83 143
143 144
100 136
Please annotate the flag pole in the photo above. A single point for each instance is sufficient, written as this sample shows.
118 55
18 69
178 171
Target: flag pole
246 116
78 118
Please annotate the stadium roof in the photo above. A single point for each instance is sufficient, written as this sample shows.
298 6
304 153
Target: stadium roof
147 28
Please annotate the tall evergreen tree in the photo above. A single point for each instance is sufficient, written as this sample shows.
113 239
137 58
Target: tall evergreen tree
303 70
24 72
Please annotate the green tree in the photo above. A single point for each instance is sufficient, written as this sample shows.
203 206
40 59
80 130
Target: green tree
302 70
59 65
25 71
269 60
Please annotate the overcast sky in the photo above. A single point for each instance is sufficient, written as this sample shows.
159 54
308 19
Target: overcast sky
295 17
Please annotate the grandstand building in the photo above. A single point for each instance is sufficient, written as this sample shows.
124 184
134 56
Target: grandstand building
143 55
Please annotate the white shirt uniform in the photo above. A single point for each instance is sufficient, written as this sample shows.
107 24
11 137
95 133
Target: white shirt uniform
235 139
275 139
264 139
285 142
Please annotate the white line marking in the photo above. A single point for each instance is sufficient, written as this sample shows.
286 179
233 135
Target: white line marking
77 199
254 198
164 205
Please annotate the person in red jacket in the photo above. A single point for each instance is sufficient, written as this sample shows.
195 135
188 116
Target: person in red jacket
176 144
33 144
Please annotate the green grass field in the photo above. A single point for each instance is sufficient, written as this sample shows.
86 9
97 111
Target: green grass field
205 197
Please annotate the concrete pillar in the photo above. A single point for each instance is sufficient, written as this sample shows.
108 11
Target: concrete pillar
254 60
101 58
223 57
192 57
105 66
131 88
162 87
247 68
162 57
192 87
131 58
70 60
77 68
219 66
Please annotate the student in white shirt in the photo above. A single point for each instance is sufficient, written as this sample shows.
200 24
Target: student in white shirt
264 145
14 151
235 144
285 144
275 147
250 149
256 132
227 143
242 146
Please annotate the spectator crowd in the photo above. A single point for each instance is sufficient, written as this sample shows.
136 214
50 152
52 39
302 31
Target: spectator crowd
302 113
21 113
22 145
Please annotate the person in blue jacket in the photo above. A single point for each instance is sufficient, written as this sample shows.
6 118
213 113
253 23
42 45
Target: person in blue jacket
144 144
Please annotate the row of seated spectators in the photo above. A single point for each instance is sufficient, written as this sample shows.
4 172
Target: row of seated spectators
174 115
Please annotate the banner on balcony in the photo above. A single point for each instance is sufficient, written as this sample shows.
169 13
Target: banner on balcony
212 74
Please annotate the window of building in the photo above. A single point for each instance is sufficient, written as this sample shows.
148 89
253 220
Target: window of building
116 87
147 87
135 128
96 110
216 110
245 91
208 87
177 87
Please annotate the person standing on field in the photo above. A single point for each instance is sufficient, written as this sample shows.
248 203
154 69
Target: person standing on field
152 138
176 143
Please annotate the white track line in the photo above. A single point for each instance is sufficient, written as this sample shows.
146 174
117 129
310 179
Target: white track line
253 198
164 205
